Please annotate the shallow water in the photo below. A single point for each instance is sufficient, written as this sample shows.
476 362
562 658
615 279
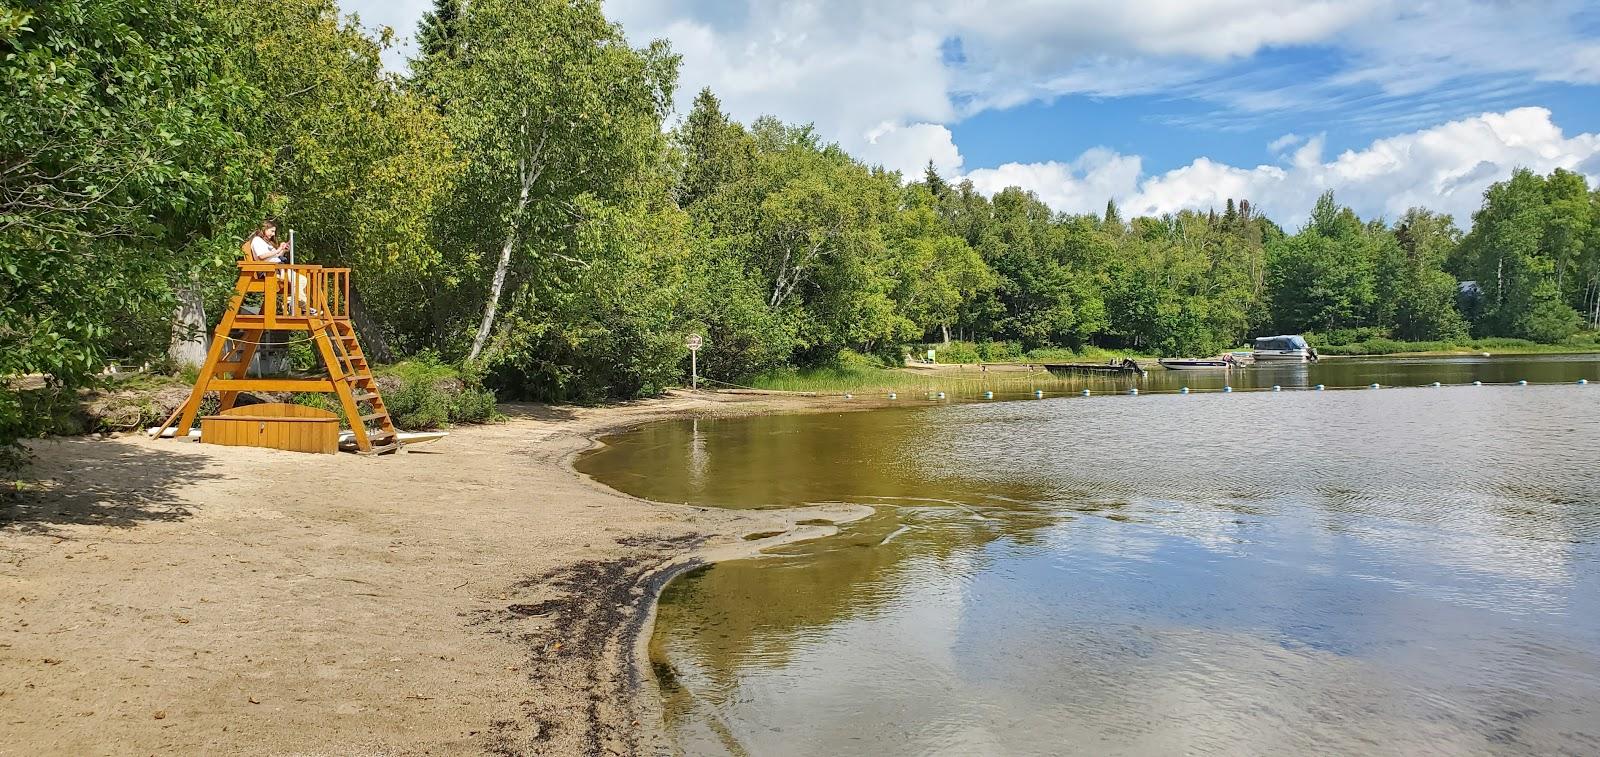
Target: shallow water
1399 571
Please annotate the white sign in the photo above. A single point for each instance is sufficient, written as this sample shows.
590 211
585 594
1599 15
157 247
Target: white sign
693 340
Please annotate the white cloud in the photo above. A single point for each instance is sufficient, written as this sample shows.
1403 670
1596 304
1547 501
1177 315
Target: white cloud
1083 185
847 67
1426 44
908 148
1284 142
1445 168
850 66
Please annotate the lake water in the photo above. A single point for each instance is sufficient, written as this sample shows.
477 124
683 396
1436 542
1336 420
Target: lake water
1399 571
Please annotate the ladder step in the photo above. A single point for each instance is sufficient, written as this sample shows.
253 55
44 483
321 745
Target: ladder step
365 396
365 419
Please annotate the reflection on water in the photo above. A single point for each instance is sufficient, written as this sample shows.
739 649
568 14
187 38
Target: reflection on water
971 383
1401 571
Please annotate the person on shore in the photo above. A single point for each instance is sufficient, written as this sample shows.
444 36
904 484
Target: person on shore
260 248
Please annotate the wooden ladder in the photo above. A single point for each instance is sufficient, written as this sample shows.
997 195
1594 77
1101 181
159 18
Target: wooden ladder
355 385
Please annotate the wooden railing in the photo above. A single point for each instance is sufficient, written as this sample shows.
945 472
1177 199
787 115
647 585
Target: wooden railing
299 291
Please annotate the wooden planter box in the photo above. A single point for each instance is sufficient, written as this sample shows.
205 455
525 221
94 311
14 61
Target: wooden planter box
275 425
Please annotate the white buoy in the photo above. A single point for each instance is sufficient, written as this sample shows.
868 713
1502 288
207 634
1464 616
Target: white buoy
988 395
1134 390
1581 382
1485 354
1085 392
1319 387
1374 386
892 395
1227 389
941 395
1184 390
1434 385
1277 388
848 395
1522 382
1477 383
1038 393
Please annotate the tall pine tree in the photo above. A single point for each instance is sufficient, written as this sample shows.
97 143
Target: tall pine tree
437 34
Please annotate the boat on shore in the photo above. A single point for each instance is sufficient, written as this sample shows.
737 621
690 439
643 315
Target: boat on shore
1283 348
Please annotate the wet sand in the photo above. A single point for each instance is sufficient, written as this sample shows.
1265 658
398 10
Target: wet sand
472 596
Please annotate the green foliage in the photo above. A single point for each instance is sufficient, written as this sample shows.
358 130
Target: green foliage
954 352
424 393
1424 296
555 116
114 145
615 329
1325 277
960 352
998 352
438 35
1534 251
357 166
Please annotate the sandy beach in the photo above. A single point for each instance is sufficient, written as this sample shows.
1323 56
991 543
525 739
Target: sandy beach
472 596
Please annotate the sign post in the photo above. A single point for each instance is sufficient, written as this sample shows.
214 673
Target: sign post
694 342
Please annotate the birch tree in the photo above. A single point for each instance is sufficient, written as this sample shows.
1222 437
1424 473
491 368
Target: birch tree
548 104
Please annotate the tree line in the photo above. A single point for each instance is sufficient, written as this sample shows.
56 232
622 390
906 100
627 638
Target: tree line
515 202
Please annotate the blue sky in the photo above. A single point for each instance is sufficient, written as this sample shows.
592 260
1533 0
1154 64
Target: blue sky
1159 104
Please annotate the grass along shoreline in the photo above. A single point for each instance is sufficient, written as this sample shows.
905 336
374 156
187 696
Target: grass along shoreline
856 374
1579 344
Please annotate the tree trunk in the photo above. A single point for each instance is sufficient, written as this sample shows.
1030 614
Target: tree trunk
946 329
188 346
372 342
499 283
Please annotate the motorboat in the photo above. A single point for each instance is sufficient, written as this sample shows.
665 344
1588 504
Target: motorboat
1186 364
1128 365
1285 348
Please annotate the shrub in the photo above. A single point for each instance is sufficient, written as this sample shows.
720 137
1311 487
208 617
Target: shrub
953 353
1549 321
1000 352
850 360
424 393
1337 337
967 353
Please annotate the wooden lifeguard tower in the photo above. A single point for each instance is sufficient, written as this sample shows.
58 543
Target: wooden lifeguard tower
307 299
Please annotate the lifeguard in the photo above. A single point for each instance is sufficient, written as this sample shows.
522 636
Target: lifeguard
308 299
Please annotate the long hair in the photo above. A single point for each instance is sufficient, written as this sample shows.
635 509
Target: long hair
261 231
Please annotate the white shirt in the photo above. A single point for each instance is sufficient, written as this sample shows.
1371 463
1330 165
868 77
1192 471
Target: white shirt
263 251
